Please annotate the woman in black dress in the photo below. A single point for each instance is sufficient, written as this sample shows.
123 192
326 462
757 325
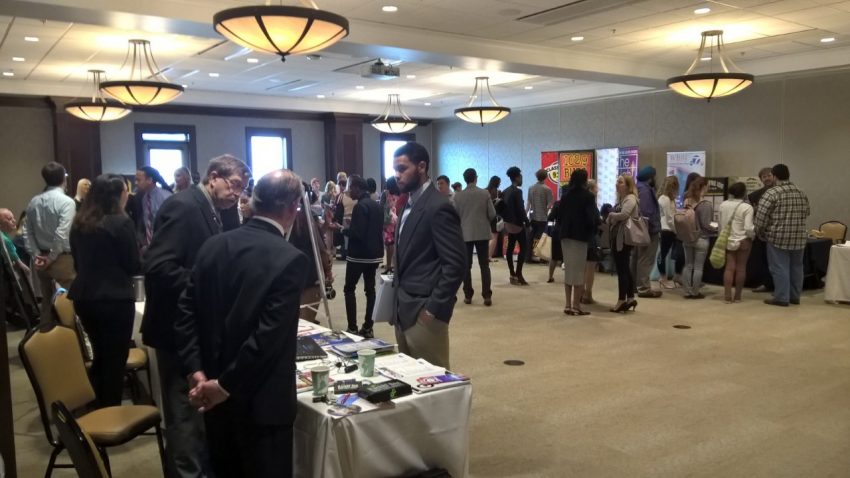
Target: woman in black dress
106 256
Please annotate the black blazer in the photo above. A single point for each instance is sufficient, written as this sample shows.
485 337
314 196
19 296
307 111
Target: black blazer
430 259
578 216
105 259
184 222
365 235
239 320
514 212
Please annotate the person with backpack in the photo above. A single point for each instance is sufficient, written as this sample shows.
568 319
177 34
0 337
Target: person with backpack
625 210
737 215
694 228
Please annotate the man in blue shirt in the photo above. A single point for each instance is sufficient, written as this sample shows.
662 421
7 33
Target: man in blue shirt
46 235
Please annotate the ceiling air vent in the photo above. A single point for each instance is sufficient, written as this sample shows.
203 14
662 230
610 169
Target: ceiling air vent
574 10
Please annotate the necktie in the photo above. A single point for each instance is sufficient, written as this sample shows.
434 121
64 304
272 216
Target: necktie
148 219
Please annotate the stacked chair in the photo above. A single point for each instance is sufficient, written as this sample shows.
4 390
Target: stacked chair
54 364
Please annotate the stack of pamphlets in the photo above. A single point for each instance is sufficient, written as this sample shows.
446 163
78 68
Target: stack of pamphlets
419 374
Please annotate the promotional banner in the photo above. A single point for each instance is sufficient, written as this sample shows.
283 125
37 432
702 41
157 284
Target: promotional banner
549 162
681 164
572 160
607 170
627 161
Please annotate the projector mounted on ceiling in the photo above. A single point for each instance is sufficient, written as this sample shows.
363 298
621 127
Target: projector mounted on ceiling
380 71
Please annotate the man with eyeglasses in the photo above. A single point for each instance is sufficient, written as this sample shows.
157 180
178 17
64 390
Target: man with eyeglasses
184 222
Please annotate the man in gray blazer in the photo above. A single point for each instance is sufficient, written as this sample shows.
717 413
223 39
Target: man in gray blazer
476 212
430 260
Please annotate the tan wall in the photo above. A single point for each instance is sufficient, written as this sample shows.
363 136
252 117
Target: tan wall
803 122
26 144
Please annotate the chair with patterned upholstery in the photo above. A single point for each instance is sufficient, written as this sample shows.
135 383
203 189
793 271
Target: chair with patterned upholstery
53 362
835 230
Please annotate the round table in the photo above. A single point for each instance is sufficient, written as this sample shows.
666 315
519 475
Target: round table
838 274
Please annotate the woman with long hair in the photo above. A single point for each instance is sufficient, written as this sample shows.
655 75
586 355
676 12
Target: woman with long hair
182 179
516 222
695 252
579 220
737 215
625 210
388 204
592 250
667 204
495 196
106 256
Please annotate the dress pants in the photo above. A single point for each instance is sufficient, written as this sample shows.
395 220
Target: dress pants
241 448
185 441
62 271
786 267
522 238
109 325
353 271
642 262
625 280
426 341
483 264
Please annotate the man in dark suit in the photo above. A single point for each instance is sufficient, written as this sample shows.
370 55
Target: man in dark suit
430 260
365 252
184 222
237 335
476 212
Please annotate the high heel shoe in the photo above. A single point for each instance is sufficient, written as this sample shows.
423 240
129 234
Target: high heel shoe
621 307
514 280
521 280
632 304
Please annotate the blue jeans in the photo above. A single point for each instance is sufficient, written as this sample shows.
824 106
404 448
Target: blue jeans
695 253
786 268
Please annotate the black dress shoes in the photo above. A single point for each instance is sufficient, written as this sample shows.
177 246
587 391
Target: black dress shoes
775 302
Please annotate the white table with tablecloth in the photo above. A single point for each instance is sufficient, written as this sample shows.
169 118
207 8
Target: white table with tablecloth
417 433
837 288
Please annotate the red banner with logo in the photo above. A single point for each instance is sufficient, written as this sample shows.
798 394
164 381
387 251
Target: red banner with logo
549 162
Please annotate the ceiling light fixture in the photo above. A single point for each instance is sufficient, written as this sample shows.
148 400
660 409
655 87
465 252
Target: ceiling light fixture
321 97
214 75
18 58
410 77
360 87
482 114
528 87
827 40
98 108
702 11
253 60
393 119
31 39
145 85
281 30
9 73
711 84
427 104
578 38
389 8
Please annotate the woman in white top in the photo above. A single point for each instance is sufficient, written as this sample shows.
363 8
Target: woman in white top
667 204
738 216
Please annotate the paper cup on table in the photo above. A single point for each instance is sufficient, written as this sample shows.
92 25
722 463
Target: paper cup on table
367 362
319 375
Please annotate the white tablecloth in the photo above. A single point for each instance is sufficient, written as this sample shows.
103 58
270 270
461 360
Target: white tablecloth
420 432
837 287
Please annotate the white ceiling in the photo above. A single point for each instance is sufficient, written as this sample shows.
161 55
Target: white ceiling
628 46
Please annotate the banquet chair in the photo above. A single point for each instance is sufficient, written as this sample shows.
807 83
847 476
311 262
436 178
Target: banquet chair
84 454
53 362
137 360
835 230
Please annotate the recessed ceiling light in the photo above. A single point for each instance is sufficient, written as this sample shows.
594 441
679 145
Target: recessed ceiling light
272 80
827 40
702 11
389 8
705 58
578 38
214 75
8 73
360 87
31 39
18 58
427 104
253 60
320 97
529 87
410 77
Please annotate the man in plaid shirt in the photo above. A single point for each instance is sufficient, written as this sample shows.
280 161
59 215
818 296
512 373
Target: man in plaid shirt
781 222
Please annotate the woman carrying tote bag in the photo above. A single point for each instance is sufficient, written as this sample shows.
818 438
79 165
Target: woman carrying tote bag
626 210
